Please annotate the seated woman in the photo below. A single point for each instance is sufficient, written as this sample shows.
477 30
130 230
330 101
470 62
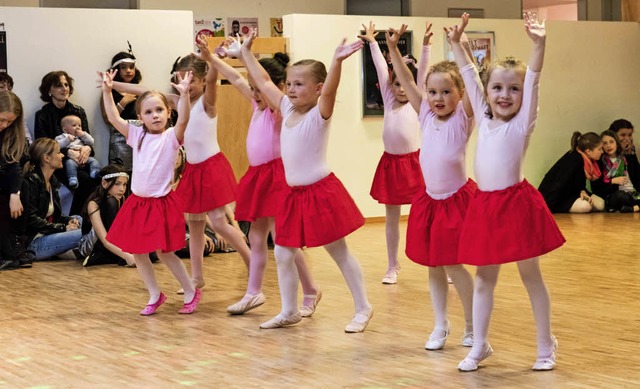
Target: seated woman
55 89
614 185
48 232
102 207
564 187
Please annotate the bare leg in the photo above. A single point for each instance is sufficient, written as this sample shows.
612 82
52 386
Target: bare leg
196 248
230 234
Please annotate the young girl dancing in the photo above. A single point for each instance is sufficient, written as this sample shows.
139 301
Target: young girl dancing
316 209
507 219
398 176
262 187
151 219
437 213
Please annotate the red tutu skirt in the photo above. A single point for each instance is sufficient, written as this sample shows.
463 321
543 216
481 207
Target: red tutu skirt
317 214
398 178
508 225
433 230
207 185
146 224
260 191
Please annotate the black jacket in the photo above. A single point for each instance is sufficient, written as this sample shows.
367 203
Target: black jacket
35 199
562 184
48 118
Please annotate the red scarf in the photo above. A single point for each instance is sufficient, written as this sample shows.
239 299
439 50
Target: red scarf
591 168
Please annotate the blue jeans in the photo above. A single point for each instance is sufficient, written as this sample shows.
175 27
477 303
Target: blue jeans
54 244
71 168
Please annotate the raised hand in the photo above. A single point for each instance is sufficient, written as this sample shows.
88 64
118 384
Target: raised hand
535 29
203 46
344 50
369 33
426 39
248 40
233 47
392 36
107 79
454 33
183 82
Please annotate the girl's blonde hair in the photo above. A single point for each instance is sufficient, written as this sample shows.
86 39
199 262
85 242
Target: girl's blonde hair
316 68
143 97
450 68
15 141
508 63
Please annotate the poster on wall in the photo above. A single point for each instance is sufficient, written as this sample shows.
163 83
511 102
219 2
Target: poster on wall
3 49
371 96
276 26
241 26
207 27
482 45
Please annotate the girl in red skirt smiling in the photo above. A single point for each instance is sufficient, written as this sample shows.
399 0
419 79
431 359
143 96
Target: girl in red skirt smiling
316 209
150 219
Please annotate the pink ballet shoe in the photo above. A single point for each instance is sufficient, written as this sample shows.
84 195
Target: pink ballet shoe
150 309
190 307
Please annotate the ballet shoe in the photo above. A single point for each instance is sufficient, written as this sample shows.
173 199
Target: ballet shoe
391 277
191 306
471 364
306 311
359 322
467 339
436 341
150 309
198 283
547 363
246 304
280 321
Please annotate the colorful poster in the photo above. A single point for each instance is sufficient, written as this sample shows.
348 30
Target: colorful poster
241 26
276 26
3 50
482 45
207 27
372 98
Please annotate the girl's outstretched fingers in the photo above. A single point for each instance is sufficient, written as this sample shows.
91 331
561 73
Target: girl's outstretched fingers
369 32
426 39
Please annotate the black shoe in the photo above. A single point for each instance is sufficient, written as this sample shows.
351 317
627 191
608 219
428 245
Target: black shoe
9 265
626 209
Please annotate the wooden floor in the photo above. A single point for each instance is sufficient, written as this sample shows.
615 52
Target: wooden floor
64 326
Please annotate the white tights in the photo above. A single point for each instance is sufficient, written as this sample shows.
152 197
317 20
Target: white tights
439 288
486 278
288 276
175 265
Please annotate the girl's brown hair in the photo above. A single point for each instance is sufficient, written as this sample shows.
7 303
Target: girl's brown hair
15 142
448 67
316 68
53 79
584 142
508 63
615 137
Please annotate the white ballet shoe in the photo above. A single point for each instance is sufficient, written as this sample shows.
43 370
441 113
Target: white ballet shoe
359 322
437 338
280 321
467 339
306 311
547 363
471 364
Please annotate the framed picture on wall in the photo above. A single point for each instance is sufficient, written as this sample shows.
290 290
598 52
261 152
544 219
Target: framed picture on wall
483 47
371 97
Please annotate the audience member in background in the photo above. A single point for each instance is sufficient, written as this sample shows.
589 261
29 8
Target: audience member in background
6 84
614 185
55 90
564 187
73 138
624 129
49 233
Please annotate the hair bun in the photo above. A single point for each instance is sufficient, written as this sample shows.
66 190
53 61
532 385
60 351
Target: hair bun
282 58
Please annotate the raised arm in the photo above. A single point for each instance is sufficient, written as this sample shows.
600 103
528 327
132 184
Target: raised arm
110 106
379 62
423 66
267 88
184 104
228 72
138 89
211 80
538 35
331 82
403 74
454 36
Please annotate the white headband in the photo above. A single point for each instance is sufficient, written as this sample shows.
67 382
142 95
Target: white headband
114 175
123 60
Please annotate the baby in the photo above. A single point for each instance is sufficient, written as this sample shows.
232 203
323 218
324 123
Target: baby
74 138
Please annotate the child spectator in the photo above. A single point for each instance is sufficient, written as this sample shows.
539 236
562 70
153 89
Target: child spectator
73 138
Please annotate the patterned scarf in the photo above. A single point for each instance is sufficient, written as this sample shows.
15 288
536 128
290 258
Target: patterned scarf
614 169
591 168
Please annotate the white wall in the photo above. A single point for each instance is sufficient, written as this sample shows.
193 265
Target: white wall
82 41
557 12
588 81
